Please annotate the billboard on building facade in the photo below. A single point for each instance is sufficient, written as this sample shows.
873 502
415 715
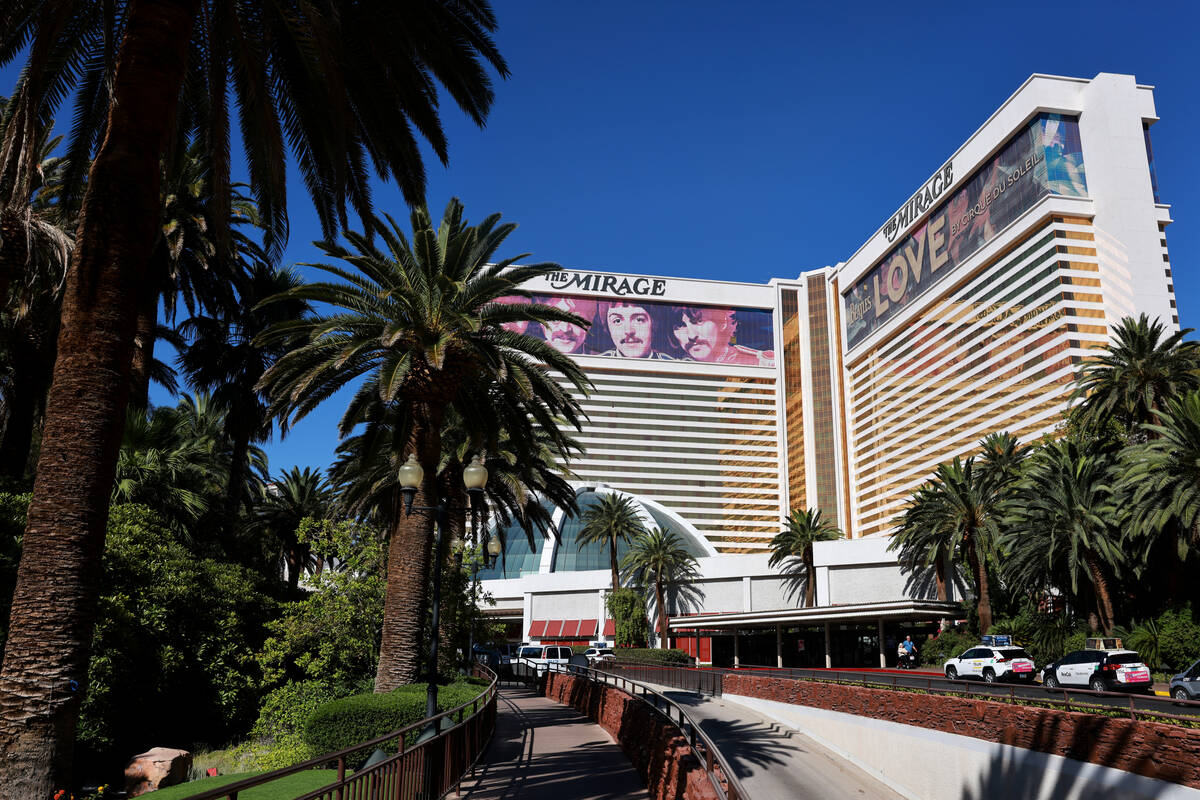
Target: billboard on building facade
633 327
1044 158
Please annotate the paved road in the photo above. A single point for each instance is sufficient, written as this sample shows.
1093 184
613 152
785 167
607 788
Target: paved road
774 762
1036 692
546 751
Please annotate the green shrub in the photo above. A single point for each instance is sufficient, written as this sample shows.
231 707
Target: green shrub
948 644
645 655
1168 642
342 723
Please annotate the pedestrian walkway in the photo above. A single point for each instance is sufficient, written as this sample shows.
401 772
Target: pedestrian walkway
543 750
774 762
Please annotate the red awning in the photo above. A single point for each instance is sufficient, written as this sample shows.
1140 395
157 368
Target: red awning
610 627
554 629
570 629
537 629
587 628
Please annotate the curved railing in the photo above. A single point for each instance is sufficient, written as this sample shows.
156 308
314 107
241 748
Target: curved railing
720 773
428 768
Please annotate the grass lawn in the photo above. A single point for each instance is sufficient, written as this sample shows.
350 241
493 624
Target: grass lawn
285 788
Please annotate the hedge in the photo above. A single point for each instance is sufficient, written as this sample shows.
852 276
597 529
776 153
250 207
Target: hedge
361 717
647 655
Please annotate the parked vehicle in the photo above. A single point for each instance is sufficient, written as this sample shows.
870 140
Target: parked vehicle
1186 685
1100 671
992 664
597 655
539 656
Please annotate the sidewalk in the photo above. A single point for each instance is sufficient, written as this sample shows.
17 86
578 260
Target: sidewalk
775 762
546 751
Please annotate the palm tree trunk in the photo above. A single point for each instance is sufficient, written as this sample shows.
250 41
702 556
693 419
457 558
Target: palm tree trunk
939 575
235 488
612 560
810 578
984 605
406 595
1104 606
143 342
23 399
54 604
662 612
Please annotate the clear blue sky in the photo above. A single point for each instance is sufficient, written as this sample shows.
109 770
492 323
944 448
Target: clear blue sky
714 140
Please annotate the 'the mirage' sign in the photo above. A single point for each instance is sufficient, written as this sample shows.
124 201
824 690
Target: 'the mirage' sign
608 284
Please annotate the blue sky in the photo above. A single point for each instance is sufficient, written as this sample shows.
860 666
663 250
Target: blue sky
709 140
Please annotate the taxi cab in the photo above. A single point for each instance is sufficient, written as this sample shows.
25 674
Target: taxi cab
1103 666
995 660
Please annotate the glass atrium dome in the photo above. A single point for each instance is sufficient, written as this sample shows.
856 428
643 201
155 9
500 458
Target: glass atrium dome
566 555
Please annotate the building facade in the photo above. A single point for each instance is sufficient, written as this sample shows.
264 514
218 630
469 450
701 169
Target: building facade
724 405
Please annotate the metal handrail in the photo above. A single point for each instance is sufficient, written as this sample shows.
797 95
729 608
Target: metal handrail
479 704
732 788
964 688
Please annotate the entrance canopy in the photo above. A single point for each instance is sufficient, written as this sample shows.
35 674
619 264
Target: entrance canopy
853 612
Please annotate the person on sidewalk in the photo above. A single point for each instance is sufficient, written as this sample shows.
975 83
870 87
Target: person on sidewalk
910 650
901 656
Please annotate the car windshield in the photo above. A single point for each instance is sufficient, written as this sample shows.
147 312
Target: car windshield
531 652
1014 652
1124 658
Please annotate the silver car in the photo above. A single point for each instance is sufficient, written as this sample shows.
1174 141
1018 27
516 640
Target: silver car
1186 685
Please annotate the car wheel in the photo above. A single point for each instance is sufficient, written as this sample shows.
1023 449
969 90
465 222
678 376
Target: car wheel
1180 693
952 673
989 676
1097 685
1050 682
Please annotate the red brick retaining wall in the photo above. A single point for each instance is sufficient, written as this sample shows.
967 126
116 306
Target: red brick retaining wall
1153 749
656 748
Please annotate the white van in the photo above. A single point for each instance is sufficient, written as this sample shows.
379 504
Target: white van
538 656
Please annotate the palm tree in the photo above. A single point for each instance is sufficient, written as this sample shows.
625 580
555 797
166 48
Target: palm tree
793 547
420 321
924 545
1060 527
280 508
223 357
612 519
164 466
35 246
1140 371
310 76
964 507
1159 493
659 559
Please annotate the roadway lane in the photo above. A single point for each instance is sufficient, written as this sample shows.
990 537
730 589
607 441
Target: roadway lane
774 762
938 682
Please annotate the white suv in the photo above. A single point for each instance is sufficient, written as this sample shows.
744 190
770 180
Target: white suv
538 656
992 664
598 655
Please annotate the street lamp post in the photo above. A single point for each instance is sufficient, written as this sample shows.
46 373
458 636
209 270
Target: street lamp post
475 477
489 559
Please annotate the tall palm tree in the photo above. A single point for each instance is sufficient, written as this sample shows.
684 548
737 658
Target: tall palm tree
222 356
659 559
420 321
279 509
924 545
967 509
1141 370
1159 494
609 521
793 548
35 246
1060 526
307 76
